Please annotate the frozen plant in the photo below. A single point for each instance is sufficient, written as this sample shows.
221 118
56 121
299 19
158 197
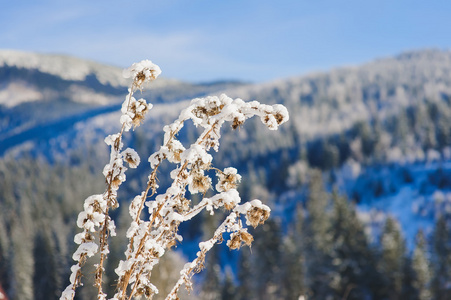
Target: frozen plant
149 238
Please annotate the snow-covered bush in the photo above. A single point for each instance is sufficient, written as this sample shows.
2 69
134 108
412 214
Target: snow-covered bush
150 238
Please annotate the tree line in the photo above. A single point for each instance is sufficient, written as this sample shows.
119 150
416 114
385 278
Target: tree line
325 253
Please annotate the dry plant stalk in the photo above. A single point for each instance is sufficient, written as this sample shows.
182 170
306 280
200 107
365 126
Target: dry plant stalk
149 239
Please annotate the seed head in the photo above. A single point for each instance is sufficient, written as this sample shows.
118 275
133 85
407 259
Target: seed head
142 72
257 215
228 179
200 183
237 238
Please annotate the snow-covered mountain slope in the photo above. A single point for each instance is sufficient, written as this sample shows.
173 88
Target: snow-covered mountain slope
371 119
27 77
66 67
43 94
331 102
321 104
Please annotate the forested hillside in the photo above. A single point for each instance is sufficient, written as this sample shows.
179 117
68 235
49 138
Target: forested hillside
358 180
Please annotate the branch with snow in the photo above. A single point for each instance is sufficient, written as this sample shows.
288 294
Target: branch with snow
94 220
150 238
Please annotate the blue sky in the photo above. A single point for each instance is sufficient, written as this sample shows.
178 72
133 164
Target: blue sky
204 40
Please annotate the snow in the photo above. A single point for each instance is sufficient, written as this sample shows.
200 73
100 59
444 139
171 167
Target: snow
196 152
78 238
416 204
148 69
15 93
86 248
66 67
132 157
126 120
124 266
68 293
74 269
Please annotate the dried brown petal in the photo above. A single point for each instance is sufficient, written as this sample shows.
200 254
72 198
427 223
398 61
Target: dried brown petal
234 242
229 205
236 123
131 160
279 118
247 238
201 183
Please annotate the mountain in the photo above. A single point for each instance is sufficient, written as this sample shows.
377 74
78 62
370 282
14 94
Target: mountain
42 95
391 110
380 133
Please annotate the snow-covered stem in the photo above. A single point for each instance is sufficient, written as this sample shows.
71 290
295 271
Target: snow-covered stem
95 219
238 236
150 238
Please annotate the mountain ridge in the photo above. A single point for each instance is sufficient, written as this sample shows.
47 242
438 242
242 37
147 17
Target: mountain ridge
379 133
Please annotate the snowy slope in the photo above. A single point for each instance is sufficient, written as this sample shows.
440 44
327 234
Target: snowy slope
320 105
331 102
43 95
66 67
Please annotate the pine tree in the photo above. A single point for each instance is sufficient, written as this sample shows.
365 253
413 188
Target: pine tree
46 279
22 262
266 258
5 262
211 287
228 291
293 284
353 262
420 266
318 239
441 284
408 279
392 259
245 288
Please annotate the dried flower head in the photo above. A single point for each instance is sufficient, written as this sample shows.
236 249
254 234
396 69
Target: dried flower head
229 205
257 215
247 238
237 123
131 157
139 109
144 71
228 179
237 238
208 107
274 116
175 150
116 182
200 183
234 242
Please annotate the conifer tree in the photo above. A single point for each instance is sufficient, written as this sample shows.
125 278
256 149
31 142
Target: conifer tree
352 259
5 263
293 259
46 280
245 289
266 259
318 239
441 284
392 259
228 290
22 259
211 287
408 277
421 269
